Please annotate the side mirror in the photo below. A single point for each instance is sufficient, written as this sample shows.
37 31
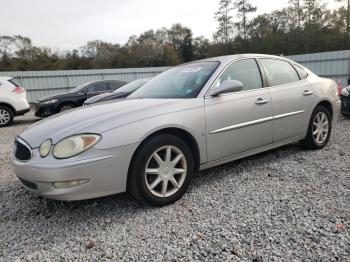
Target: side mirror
228 86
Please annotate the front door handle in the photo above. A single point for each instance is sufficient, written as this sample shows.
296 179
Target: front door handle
307 93
261 101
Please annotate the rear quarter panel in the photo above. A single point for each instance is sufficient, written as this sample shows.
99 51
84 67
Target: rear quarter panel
326 90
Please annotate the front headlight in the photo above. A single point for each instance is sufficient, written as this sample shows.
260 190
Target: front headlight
45 148
74 145
52 101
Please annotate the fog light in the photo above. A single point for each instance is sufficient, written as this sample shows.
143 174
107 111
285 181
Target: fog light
69 184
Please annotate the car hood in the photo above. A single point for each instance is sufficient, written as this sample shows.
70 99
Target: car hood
105 97
99 118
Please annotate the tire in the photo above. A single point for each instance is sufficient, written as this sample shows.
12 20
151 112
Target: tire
6 116
313 140
148 187
65 107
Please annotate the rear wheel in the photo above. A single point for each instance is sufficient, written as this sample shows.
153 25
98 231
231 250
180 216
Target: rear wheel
319 130
66 107
6 116
161 170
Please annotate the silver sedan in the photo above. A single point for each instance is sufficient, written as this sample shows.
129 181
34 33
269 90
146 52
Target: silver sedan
191 117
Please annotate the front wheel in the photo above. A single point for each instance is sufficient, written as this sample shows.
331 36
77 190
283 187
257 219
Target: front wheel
66 107
161 170
319 130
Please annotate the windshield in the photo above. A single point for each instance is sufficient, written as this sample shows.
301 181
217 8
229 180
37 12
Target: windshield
132 86
185 81
78 88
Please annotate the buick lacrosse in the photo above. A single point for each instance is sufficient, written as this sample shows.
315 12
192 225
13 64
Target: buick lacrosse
191 117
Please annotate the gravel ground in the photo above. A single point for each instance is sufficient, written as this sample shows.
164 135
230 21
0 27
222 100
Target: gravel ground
284 205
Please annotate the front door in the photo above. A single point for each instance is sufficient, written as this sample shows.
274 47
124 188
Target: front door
240 121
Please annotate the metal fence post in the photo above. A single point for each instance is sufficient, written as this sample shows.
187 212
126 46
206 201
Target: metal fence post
68 84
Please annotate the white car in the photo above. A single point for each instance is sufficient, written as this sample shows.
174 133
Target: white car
13 100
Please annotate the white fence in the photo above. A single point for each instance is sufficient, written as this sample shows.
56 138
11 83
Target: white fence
334 65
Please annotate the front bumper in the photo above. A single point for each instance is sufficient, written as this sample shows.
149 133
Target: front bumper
45 110
105 170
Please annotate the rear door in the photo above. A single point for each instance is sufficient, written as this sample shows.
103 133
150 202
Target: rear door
292 97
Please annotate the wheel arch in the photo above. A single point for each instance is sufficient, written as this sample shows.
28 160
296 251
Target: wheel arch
66 103
181 133
327 105
9 106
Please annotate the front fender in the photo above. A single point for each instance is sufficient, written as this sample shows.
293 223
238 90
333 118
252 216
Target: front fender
192 121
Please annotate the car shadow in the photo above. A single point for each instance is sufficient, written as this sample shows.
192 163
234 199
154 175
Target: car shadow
124 204
25 121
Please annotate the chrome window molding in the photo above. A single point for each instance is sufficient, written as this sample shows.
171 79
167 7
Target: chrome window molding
261 68
207 94
287 61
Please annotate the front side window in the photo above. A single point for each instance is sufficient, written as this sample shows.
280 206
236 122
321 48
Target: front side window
245 71
279 72
185 81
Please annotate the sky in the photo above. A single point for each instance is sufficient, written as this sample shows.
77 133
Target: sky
69 24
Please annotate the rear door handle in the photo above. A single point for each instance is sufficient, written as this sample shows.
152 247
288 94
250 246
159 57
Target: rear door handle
307 93
261 101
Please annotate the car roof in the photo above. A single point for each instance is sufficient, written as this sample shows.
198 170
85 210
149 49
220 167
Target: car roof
227 58
5 78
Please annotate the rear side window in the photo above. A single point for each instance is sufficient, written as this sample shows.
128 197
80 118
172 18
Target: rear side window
98 87
116 84
279 72
303 74
245 71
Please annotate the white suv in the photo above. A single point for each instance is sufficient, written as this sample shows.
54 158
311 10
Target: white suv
13 100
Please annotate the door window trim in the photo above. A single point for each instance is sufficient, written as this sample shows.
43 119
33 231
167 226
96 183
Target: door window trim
295 65
262 76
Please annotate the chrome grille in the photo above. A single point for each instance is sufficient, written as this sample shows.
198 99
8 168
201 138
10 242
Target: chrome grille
22 150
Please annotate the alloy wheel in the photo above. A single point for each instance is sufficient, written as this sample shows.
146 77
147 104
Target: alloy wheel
5 117
320 128
66 108
166 171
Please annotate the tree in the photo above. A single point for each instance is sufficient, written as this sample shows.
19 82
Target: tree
314 11
296 10
347 17
243 8
224 18
200 47
181 38
7 44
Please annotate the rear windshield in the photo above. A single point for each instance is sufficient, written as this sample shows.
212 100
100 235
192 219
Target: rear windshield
14 82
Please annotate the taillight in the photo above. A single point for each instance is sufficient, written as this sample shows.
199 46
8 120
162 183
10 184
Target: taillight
18 90
339 87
